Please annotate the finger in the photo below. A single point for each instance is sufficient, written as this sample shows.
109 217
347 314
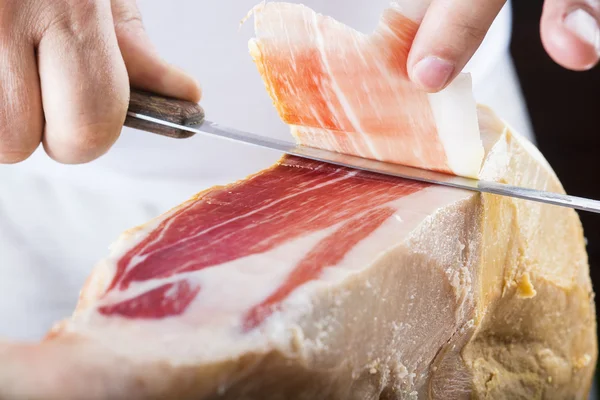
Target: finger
84 82
147 70
21 117
570 32
449 35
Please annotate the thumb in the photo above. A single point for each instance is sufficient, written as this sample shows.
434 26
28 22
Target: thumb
570 32
147 70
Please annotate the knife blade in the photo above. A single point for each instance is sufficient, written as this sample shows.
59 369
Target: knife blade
181 119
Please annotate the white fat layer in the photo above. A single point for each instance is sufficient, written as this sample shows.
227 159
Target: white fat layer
229 290
455 114
215 315
259 272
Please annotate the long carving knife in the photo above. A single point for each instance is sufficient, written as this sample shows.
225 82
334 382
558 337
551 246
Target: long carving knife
182 119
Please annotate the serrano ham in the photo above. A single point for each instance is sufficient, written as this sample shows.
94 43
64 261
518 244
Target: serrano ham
312 281
308 280
342 90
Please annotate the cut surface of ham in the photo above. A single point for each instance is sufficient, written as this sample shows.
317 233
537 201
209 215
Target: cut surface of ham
334 206
342 90
312 281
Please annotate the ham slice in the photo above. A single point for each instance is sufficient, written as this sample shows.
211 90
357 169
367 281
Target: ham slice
310 281
342 90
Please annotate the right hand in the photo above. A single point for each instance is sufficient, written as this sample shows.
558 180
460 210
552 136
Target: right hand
67 66
452 30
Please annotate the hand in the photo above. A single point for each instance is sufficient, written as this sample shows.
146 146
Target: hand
453 29
66 70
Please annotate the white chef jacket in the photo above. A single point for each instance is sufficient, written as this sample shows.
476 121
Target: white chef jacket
57 221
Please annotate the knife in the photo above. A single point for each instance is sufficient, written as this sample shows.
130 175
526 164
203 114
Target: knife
182 119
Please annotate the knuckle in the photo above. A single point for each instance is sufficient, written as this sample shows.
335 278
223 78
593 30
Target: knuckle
90 136
88 129
76 18
13 157
21 118
14 149
83 144
20 133
83 10
95 137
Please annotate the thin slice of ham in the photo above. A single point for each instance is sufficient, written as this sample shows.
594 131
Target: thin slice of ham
310 281
342 90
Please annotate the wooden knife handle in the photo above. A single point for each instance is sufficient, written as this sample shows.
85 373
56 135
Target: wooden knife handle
176 111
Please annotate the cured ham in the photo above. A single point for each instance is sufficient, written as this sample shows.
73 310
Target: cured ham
342 90
308 280
312 281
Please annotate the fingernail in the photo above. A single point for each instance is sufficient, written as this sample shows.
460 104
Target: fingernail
432 73
584 26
